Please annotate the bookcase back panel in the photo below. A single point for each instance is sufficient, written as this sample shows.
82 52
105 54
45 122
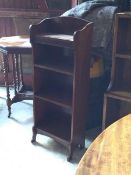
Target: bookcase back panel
123 38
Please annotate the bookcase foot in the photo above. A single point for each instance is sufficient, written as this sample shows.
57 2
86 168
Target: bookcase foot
34 135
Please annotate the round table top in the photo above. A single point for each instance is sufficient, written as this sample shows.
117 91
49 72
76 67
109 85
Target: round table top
16 45
110 153
15 41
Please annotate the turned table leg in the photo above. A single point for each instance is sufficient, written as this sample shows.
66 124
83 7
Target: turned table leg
6 78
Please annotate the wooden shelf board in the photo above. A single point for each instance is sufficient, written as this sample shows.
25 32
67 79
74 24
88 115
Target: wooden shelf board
56 67
56 127
122 95
123 55
63 101
61 40
124 15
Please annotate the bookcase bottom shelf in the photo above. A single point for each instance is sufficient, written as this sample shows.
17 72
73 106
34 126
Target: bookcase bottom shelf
57 127
115 106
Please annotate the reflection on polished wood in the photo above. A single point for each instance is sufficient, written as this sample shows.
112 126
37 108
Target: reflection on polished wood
110 153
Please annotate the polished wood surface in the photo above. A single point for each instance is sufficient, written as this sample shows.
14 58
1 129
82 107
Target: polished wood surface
118 94
13 42
61 53
110 153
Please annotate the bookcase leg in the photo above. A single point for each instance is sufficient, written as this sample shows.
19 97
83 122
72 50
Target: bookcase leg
69 158
104 113
34 135
81 146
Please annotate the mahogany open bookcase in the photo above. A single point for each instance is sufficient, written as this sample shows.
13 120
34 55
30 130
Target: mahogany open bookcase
119 90
61 47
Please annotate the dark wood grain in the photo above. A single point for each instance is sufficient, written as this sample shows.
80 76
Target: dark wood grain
61 48
119 90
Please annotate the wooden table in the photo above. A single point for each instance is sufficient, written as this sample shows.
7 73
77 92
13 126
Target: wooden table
110 153
12 48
